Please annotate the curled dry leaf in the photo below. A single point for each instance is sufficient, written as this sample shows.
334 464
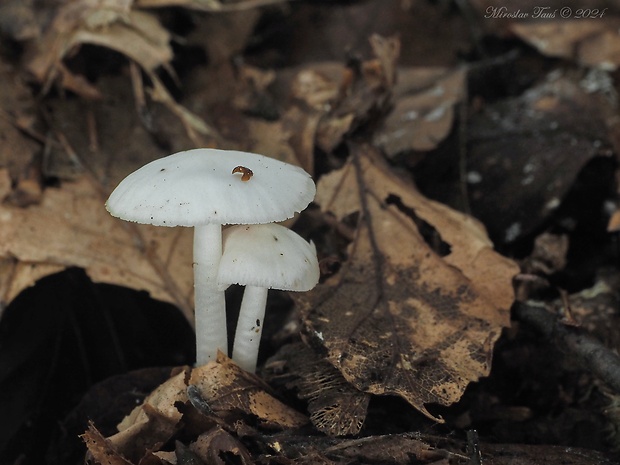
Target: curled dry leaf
211 447
226 387
101 450
152 423
591 42
162 399
114 25
158 260
136 34
400 318
207 404
419 103
364 91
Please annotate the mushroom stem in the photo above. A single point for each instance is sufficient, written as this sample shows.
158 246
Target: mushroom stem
249 327
209 303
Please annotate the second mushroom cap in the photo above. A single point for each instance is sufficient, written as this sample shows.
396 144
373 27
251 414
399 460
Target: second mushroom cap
269 256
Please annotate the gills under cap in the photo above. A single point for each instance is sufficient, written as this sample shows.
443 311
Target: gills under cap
199 187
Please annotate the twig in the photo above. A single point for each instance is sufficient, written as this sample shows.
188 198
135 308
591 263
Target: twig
586 350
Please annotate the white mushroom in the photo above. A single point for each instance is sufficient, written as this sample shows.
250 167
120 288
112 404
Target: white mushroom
262 257
205 188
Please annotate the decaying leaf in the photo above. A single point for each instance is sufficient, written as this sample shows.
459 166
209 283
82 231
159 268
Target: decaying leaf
363 92
336 408
85 235
204 406
318 86
419 102
400 318
531 148
115 25
211 447
152 423
226 387
101 450
162 400
423 110
589 41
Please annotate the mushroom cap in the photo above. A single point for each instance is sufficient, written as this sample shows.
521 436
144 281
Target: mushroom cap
198 187
267 255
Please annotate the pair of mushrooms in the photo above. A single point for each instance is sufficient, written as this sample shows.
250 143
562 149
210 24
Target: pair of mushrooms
208 188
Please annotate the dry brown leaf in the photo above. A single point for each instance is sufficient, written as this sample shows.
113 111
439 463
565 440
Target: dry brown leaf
16 111
85 235
228 388
423 110
301 127
213 445
115 25
342 98
318 86
152 423
281 139
531 149
399 318
200 403
364 92
162 399
315 91
592 42
45 62
101 449
270 139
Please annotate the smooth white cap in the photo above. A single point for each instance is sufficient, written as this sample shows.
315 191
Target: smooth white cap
198 187
267 255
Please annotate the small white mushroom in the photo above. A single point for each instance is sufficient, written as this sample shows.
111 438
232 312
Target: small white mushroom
262 257
204 189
